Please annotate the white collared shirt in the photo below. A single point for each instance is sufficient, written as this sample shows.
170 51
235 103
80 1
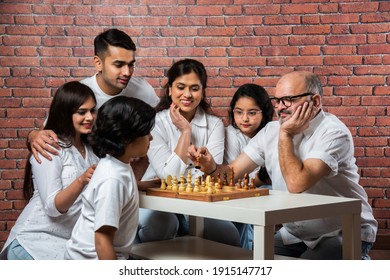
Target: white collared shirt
41 229
207 130
329 140
235 142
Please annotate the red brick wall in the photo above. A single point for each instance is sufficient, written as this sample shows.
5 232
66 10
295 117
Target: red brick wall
45 43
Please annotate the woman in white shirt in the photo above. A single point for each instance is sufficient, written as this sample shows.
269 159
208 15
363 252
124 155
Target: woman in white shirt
54 187
183 118
250 111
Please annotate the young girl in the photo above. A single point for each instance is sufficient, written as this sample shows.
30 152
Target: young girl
54 187
183 118
109 216
250 111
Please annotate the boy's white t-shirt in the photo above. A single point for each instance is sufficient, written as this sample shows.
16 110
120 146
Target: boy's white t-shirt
137 87
111 199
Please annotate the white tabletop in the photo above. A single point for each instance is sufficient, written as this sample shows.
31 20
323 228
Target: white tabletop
266 211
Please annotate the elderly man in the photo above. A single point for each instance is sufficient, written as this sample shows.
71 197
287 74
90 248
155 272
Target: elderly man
310 151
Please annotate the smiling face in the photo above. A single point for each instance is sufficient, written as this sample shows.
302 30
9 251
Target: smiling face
247 116
187 92
84 117
114 69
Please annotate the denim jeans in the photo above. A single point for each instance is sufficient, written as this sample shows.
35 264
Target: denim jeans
15 251
329 248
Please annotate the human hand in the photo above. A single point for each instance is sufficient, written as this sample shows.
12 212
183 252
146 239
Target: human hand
154 183
41 142
299 121
202 156
87 175
178 120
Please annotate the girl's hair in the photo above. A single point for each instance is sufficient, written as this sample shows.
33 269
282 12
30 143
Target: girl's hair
119 122
261 98
66 101
178 69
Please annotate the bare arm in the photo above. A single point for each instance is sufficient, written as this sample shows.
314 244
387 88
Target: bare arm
104 242
299 176
185 129
241 165
65 198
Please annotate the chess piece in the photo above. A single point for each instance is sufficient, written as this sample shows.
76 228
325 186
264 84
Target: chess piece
239 187
169 183
246 181
231 177
225 182
182 187
197 162
163 185
252 183
197 185
175 186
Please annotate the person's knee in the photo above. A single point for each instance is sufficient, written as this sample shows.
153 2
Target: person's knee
156 225
221 231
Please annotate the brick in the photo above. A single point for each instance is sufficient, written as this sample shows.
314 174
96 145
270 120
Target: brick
277 51
374 49
299 9
248 41
303 61
307 40
281 20
262 9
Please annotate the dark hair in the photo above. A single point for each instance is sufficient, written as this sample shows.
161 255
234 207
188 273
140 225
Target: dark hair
260 96
66 101
178 69
119 122
112 37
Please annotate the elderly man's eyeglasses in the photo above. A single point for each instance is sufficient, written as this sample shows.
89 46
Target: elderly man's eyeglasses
251 114
287 100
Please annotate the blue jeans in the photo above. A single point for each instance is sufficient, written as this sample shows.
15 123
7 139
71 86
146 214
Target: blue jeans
15 251
157 225
329 248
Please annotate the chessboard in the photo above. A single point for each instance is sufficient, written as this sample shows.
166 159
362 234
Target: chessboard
209 189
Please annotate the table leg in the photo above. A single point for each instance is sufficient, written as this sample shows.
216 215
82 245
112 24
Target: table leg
351 237
263 242
196 225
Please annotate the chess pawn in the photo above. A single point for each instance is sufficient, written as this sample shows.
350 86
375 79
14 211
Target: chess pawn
225 182
175 186
197 185
189 187
217 188
252 184
169 183
182 187
239 187
245 187
203 186
163 185
209 189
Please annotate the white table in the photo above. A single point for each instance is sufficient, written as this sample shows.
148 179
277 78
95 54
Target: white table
265 212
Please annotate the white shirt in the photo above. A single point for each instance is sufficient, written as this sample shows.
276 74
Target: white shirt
207 130
40 228
329 140
235 142
111 199
137 87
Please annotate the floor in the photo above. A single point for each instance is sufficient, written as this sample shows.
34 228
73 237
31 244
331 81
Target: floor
380 254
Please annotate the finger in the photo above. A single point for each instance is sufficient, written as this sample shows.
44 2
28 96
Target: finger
36 155
42 152
45 139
